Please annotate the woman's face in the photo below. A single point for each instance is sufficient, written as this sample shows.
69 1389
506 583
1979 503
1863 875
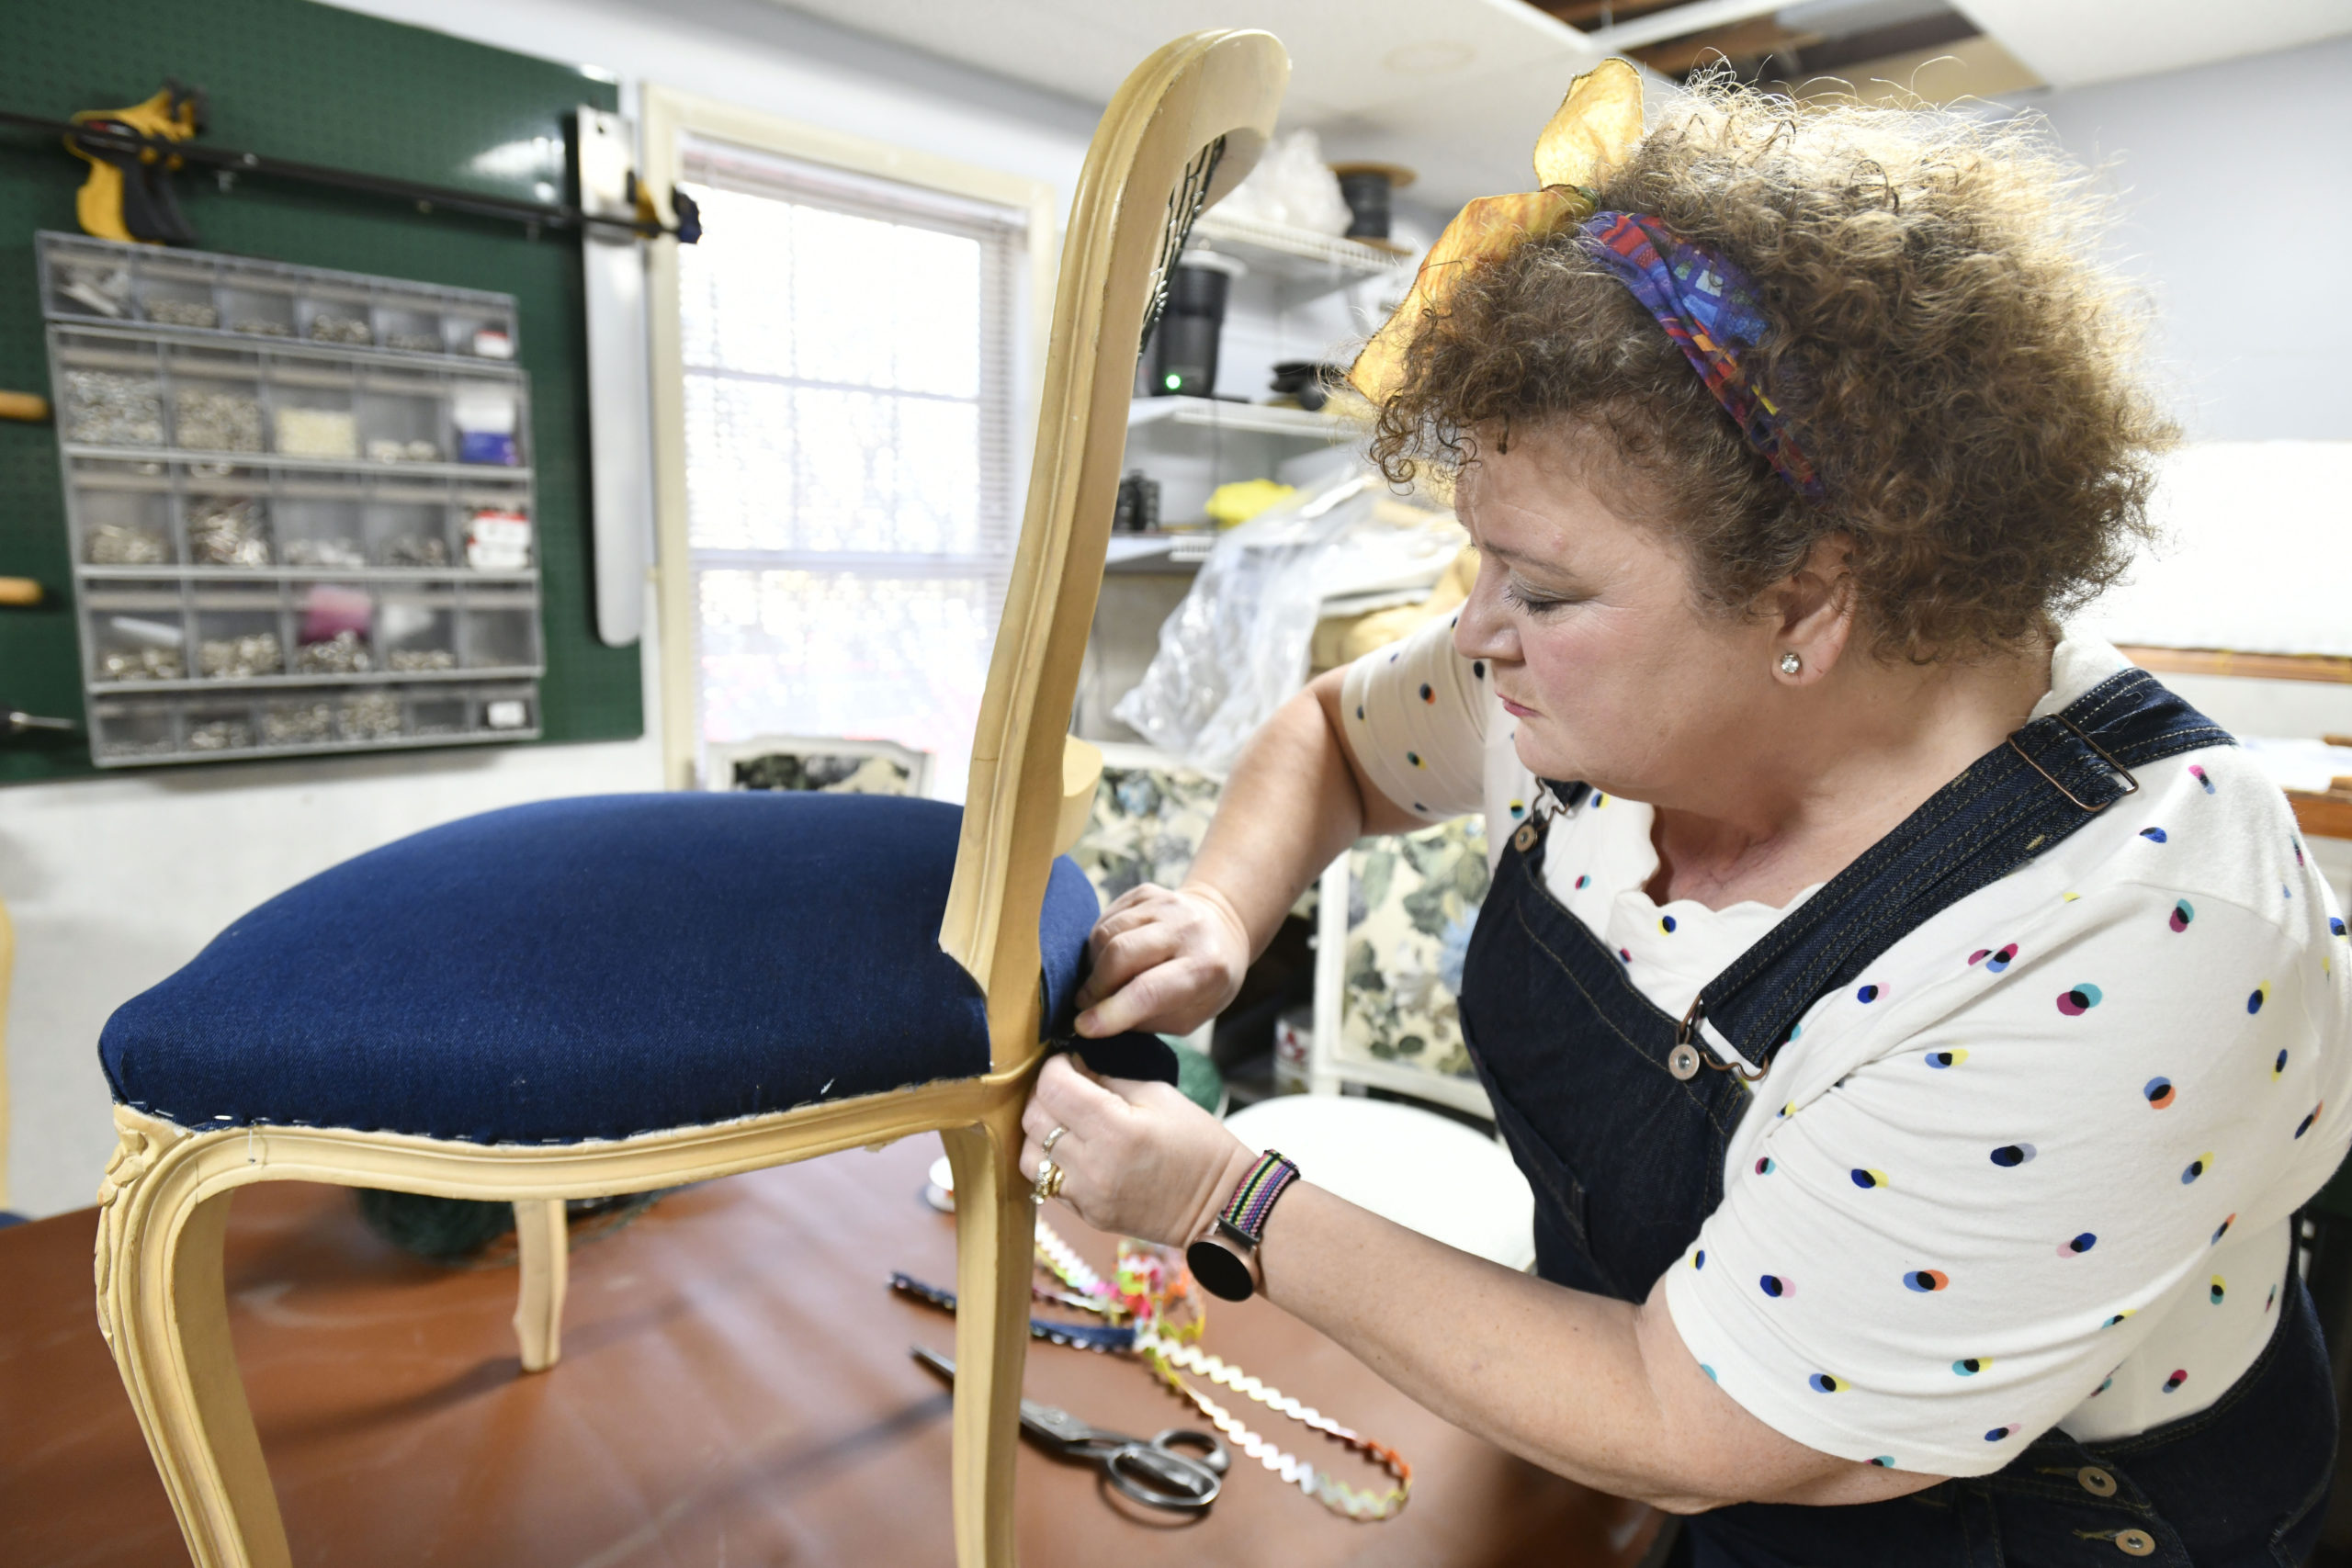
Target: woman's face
1614 671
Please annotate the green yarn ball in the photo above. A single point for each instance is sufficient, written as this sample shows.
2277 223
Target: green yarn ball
459 1231
1196 1076
441 1230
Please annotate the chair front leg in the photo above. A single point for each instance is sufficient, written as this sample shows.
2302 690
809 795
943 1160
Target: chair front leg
995 1231
164 1310
543 1256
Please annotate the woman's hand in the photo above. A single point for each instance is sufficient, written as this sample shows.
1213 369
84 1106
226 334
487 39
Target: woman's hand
1164 961
1141 1159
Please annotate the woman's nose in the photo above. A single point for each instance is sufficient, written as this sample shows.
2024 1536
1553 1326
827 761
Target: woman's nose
1484 629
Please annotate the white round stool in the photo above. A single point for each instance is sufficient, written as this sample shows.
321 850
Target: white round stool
1425 1171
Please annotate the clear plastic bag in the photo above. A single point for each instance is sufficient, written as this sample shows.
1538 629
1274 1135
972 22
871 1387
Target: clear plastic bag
1237 648
1291 185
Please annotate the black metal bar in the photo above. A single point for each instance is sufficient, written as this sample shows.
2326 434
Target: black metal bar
425 197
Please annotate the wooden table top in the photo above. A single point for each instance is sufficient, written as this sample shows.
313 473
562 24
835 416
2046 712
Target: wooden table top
735 1390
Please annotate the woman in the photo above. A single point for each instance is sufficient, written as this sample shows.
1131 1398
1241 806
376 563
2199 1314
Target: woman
1918 1026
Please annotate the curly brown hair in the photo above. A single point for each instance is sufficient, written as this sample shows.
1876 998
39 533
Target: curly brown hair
1962 372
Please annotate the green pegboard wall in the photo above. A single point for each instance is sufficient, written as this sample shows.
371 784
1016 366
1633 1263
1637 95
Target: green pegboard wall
310 83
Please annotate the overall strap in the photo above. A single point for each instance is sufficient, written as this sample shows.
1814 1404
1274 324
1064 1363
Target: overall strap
2043 784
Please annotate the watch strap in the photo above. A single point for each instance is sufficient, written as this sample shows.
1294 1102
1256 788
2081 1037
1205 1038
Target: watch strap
1244 1217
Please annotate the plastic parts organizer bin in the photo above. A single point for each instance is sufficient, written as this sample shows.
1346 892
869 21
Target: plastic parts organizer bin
300 504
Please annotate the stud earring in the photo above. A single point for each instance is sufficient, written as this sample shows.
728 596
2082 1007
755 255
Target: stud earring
1790 663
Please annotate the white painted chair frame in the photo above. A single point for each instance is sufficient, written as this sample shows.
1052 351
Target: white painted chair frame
165 1201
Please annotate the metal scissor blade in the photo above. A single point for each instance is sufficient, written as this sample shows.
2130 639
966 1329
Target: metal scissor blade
1048 1424
1150 1473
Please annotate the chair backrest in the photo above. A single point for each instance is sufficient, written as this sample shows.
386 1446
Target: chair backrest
824 763
1185 128
1386 980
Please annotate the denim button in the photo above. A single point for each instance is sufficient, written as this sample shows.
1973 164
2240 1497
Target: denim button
1525 840
2136 1544
1683 1062
2096 1482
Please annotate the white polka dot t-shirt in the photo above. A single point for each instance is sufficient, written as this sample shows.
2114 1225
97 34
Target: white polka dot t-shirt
2036 1166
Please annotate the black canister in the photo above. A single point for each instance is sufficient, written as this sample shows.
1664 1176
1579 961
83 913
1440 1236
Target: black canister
1184 346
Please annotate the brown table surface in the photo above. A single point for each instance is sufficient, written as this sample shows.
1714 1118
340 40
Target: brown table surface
735 1390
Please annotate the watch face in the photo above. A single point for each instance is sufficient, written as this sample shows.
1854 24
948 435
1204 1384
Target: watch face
1220 1272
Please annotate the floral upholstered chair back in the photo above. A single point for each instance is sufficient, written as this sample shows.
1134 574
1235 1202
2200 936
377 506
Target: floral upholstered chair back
1399 911
1147 826
1394 918
819 765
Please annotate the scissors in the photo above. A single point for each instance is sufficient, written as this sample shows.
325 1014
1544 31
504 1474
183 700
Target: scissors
1153 1473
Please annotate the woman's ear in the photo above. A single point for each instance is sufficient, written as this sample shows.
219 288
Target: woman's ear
1815 608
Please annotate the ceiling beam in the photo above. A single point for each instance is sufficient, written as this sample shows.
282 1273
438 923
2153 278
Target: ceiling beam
1590 14
1661 25
1758 37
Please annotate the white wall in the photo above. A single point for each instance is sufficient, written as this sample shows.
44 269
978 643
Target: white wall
116 882
2233 179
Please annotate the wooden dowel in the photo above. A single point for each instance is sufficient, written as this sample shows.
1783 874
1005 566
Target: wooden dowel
30 406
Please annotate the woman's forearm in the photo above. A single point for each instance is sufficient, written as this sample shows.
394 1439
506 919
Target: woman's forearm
1527 1366
1597 1390
1294 801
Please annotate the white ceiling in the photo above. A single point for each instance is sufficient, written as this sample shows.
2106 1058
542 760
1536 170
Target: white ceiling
1457 89
2069 42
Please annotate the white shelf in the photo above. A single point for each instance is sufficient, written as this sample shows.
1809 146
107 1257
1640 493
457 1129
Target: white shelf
1296 255
1247 418
491 472
1131 552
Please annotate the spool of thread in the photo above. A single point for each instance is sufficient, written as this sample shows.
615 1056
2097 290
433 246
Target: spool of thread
1366 187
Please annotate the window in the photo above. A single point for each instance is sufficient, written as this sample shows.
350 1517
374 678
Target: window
848 345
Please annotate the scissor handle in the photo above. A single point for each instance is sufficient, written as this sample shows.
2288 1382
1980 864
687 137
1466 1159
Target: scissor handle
1213 1453
1161 1478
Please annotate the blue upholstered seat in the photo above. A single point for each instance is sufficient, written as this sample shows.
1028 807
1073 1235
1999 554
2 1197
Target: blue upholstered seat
590 968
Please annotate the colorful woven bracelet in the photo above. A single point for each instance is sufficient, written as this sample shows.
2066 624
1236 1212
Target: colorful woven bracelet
1253 1200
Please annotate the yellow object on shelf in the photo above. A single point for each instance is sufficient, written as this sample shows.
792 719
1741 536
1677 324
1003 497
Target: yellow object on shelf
1230 505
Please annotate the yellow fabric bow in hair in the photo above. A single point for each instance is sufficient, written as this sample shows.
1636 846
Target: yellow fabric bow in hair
1597 124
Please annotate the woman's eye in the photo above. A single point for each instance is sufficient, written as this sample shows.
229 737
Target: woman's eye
1535 603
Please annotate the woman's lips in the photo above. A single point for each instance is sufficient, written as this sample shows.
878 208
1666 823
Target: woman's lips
1512 708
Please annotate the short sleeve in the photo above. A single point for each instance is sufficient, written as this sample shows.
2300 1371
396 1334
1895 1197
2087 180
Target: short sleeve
1932 1262
1416 714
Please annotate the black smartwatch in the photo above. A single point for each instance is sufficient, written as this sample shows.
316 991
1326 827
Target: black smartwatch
1220 1258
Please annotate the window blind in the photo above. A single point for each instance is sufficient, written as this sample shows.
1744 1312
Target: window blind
850 353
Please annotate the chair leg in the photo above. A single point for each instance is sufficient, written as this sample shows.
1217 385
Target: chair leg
543 1251
995 1230
161 1302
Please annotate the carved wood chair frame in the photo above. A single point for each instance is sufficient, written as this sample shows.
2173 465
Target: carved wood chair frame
1185 128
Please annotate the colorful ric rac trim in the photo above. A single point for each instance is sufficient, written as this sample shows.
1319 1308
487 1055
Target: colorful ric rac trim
1166 1315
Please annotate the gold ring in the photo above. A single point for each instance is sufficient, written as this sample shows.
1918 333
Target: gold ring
1049 1182
1051 1139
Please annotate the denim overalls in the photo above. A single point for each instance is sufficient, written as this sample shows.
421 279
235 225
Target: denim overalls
1610 1107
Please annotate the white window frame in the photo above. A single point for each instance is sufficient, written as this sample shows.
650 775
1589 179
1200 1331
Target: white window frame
670 118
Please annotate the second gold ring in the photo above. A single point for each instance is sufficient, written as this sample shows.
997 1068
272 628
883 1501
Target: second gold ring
1049 1182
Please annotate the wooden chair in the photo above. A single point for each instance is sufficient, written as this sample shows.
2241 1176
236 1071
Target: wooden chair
594 996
